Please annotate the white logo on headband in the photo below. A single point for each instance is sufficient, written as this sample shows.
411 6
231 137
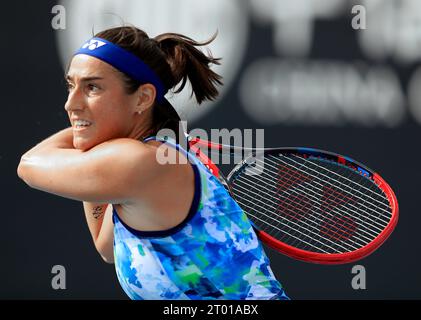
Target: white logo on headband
93 44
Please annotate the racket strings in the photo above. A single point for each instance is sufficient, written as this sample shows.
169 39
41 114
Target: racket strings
299 238
283 231
313 202
349 201
302 208
355 209
331 229
330 200
291 228
333 197
345 205
305 221
344 184
338 184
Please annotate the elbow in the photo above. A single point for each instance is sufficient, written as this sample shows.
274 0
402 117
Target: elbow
22 170
109 260
107 254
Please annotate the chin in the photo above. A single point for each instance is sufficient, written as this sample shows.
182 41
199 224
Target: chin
83 144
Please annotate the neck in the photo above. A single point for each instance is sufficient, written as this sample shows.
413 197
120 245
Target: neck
142 128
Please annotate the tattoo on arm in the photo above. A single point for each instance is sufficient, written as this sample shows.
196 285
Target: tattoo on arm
98 212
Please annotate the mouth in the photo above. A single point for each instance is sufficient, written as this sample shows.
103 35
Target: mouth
81 124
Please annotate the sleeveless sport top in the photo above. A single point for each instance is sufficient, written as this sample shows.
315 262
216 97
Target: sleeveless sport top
213 254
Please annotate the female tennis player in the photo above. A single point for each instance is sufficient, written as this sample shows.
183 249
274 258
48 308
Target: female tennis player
172 230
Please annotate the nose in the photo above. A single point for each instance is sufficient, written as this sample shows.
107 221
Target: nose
75 100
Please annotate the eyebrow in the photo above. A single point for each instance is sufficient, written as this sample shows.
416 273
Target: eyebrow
84 79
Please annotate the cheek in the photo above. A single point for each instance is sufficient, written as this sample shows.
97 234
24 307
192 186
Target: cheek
112 119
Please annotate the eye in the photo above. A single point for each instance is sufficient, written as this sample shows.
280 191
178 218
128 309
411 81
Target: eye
93 87
69 86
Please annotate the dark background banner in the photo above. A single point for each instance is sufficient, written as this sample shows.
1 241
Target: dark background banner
298 70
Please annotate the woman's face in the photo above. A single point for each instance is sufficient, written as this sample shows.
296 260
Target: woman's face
99 109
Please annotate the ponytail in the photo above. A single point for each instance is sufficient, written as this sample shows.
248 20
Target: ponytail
188 62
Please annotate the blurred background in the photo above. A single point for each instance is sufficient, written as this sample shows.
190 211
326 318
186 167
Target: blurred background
299 69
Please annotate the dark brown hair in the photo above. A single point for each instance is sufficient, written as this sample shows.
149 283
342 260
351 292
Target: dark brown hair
175 59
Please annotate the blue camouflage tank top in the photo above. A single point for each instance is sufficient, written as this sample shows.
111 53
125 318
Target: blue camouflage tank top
213 254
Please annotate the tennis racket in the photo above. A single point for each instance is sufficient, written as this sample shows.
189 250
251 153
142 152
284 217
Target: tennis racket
309 204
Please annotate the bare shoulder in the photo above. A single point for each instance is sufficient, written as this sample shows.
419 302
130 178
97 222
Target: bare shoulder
146 162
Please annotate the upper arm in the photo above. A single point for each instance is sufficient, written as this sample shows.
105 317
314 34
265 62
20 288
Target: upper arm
112 172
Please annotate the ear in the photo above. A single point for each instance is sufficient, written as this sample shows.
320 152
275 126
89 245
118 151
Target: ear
146 94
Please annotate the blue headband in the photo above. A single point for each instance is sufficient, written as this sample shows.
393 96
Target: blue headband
124 61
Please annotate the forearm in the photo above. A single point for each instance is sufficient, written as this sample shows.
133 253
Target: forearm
94 213
99 219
